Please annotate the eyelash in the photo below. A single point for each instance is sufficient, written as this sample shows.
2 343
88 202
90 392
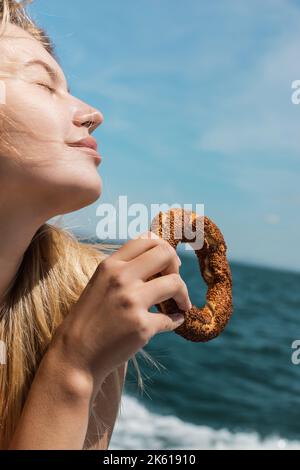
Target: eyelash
51 90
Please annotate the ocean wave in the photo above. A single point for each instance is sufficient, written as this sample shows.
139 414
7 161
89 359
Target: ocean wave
138 428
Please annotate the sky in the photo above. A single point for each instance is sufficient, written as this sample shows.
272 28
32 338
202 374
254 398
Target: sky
196 98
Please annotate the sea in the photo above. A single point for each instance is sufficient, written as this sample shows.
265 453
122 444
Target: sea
238 391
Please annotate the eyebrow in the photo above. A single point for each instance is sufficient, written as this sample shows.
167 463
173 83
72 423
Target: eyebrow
51 72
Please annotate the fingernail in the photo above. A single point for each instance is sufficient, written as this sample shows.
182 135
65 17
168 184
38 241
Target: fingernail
179 260
178 317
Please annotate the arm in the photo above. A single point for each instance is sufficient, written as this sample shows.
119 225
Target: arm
106 407
56 412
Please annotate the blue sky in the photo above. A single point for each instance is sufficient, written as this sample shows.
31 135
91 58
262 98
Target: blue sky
196 97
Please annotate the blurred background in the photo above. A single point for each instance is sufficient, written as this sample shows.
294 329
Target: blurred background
196 98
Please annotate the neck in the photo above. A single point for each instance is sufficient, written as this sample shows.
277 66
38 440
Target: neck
16 232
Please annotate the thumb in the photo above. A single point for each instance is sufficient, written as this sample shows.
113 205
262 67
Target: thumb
161 322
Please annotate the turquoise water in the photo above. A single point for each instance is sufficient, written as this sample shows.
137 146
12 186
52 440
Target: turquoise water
239 390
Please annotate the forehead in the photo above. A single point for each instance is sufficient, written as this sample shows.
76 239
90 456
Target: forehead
18 47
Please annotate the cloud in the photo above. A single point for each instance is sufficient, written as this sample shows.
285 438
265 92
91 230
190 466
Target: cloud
197 104
259 116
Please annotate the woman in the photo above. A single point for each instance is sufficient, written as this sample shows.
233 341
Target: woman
70 316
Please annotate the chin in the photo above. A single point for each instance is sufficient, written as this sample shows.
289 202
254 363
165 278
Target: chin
81 195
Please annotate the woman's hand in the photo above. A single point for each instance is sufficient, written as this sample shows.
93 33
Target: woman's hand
111 320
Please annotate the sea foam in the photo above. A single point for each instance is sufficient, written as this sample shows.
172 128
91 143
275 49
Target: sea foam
138 428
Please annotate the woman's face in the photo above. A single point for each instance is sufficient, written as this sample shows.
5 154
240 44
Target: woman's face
40 119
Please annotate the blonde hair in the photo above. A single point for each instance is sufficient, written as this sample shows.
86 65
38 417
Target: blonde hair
54 271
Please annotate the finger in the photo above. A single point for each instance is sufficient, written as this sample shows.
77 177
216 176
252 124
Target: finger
160 259
161 322
166 287
136 246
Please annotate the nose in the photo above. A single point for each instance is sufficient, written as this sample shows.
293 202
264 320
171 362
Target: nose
90 118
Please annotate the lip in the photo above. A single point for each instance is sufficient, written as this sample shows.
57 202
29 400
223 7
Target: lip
92 152
88 142
89 145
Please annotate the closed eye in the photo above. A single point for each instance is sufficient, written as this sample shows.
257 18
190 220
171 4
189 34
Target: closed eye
49 88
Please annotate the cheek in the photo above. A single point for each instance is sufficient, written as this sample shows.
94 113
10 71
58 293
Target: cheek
41 163
39 119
